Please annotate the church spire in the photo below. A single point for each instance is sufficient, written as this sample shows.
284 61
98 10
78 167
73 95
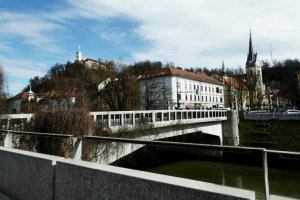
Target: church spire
250 45
251 59
223 68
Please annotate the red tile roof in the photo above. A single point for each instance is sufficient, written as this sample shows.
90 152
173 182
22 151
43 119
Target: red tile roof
178 72
236 84
22 95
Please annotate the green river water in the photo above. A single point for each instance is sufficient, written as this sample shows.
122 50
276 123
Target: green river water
282 182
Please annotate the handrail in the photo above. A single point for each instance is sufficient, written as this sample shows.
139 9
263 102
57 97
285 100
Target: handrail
36 134
174 144
78 144
204 146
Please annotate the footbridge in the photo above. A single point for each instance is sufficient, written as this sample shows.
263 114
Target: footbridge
148 125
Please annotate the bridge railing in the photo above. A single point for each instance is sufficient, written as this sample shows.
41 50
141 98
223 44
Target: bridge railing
117 119
77 147
157 117
271 116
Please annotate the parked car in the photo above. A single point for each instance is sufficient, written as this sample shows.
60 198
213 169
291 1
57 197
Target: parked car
292 112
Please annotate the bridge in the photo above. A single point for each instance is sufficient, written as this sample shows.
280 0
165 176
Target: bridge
154 125
165 123
116 120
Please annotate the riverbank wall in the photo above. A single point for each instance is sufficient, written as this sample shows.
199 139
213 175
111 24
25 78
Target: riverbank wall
271 134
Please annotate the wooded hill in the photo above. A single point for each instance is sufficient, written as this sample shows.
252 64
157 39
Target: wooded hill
123 92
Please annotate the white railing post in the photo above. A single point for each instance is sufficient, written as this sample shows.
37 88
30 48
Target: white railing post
133 119
77 149
153 117
122 119
8 140
109 120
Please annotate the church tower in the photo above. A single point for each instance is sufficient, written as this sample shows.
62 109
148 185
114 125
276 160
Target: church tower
78 54
254 75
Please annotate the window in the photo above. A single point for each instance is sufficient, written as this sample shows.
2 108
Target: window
209 89
216 99
190 86
209 98
205 98
220 90
213 98
191 97
195 97
198 98
202 98
213 90
205 89
178 84
221 99
186 97
217 90
201 88
194 87
179 96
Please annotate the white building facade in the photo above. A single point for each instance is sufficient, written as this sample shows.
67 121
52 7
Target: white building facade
183 90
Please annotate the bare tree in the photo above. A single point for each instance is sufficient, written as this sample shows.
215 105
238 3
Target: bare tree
152 91
3 102
121 90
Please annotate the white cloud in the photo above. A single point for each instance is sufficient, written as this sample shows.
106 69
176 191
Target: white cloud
202 33
33 29
23 69
5 47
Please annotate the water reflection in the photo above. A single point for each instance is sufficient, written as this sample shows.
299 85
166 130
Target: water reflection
282 182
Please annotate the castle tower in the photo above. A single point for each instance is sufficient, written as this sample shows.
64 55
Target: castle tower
78 54
254 76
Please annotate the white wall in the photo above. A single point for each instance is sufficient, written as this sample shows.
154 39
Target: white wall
188 88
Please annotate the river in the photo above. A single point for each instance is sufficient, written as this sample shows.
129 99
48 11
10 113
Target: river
282 182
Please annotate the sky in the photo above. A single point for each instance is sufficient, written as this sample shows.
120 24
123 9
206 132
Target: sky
37 34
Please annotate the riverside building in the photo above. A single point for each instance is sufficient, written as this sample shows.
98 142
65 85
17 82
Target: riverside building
172 88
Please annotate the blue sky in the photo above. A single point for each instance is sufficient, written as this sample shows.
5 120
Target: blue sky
35 34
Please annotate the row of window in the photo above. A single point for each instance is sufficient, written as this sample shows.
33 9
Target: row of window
197 98
197 88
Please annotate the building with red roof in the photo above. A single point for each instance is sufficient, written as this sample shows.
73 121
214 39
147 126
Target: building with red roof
22 102
172 88
236 90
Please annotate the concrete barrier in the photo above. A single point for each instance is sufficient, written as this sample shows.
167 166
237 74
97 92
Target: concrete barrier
26 175
85 180
275 197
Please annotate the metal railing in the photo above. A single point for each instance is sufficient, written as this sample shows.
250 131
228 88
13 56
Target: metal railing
77 147
131 118
117 119
271 116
